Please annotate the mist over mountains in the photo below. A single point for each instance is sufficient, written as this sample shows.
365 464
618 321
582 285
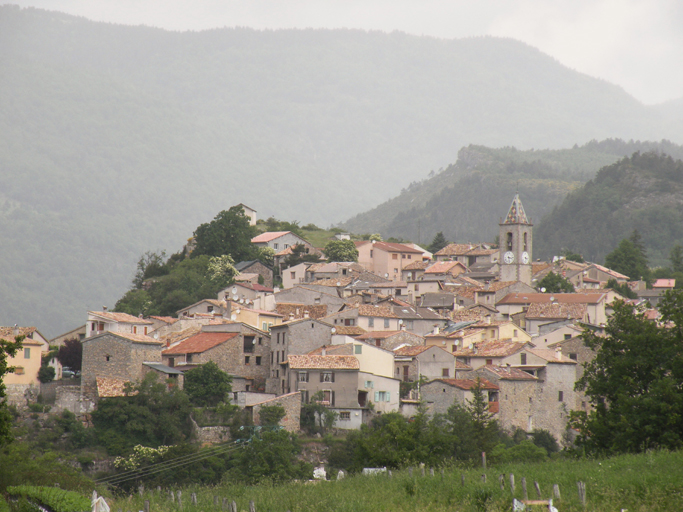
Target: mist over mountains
116 140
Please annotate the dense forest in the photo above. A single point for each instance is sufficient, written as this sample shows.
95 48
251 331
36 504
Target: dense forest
466 200
116 140
642 192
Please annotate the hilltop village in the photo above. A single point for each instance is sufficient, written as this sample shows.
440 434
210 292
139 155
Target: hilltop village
398 329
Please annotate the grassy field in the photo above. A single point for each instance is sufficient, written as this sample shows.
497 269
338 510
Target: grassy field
649 482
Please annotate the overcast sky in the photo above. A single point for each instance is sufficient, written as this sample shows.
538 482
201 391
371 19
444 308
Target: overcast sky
637 44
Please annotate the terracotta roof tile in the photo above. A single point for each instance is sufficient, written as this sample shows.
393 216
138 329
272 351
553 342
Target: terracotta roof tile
459 365
136 338
555 311
443 267
297 362
411 351
455 250
120 317
8 332
268 236
418 265
564 298
375 311
468 384
491 348
393 247
167 319
200 343
340 281
509 373
349 330
300 310
377 335
551 355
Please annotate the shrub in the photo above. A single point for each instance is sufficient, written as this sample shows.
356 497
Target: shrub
53 498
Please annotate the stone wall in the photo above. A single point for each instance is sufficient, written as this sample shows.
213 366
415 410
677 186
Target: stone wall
20 395
69 398
292 405
212 435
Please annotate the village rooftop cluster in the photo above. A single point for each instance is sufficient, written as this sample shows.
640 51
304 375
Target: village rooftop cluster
351 333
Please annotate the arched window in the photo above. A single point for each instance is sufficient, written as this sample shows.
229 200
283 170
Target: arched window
509 242
525 242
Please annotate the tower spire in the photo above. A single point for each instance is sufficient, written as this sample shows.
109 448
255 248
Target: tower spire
516 215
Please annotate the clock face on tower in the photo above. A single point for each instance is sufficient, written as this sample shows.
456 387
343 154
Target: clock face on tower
525 258
509 257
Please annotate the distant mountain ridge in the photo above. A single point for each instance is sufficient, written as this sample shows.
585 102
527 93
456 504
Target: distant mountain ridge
115 140
466 200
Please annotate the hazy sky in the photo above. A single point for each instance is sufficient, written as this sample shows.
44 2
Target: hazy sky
637 44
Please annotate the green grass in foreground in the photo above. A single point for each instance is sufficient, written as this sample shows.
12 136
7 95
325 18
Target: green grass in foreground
649 482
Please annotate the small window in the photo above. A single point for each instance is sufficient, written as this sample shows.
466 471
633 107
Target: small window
573 356
371 254
514 333
394 256
345 416
135 329
258 360
417 287
386 323
264 326
326 376
246 359
560 396
275 246
358 349
395 271
445 372
489 361
171 362
371 322
403 256
18 370
409 256
293 275
145 331
303 376
454 348
107 358
378 343
27 353
522 359
286 246
567 336
209 309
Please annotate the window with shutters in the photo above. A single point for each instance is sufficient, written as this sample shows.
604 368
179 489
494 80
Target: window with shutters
358 349
303 376
326 376
135 329
327 397
386 323
371 322
258 360
382 396
27 353
522 358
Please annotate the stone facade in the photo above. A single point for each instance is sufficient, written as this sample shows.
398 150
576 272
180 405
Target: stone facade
391 340
118 356
307 295
256 267
439 395
20 395
292 405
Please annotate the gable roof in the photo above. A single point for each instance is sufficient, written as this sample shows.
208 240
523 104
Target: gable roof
300 310
124 318
418 265
199 343
271 235
563 298
135 338
349 330
378 335
242 265
394 247
551 356
509 372
334 362
468 384
414 350
491 348
556 311
443 267
455 250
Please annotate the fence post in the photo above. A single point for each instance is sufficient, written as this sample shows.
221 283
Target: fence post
215 501
538 488
501 480
512 483
180 501
390 473
483 459
252 507
146 505
462 479
524 493
410 471
422 470
483 478
141 490
431 471
225 503
582 493
172 496
556 491
193 498
234 506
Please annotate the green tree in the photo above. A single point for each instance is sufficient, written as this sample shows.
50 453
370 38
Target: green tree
438 243
555 283
207 385
221 270
300 254
676 258
623 289
149 414
341 250
485 428
7 349
270 415
634 381
151 264
572 256
629 258
228 233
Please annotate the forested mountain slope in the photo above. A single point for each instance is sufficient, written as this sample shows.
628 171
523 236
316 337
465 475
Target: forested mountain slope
466 200
643 192
115 140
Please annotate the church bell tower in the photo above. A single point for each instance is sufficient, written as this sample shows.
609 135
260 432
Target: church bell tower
515 242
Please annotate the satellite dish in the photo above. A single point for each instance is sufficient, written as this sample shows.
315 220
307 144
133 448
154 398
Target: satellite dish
233 317
235 297
241 301
234 290
386 274
543 290
338 283
333 330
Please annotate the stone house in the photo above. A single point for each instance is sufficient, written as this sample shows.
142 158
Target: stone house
491 352
494 291
439 395
386 259
116 355
411 362
427 285
310 295
106 321
278 240
367 316
518 303
376 286
290 402
418 320
549 316
23 384
390 340
237 348
294 275
440 302
256 267
205 307
445 268
575 349
250 213
415 270
550 334
291 312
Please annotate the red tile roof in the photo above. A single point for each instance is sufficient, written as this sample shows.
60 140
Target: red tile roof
393 247
509 373
199 343
120 317
491 348
468 384
377 335
442 267
564 298
455 250
268 236
555 311
412 351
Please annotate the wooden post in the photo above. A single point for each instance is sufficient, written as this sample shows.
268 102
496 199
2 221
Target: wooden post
146 505
483 478
172 496
215 501
501 480
158 489
442 473
141 490
431 471
252 507
512 483
193 498
390 473
582 492
483 459
462 479
422 470
524 493
225 504
556 491
538 488
234 506
180 501
410 471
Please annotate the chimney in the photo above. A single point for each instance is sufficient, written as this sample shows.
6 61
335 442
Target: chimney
307 314
104 308
436 329
558 352
475 349
16 330
291 317
140 315
324 352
